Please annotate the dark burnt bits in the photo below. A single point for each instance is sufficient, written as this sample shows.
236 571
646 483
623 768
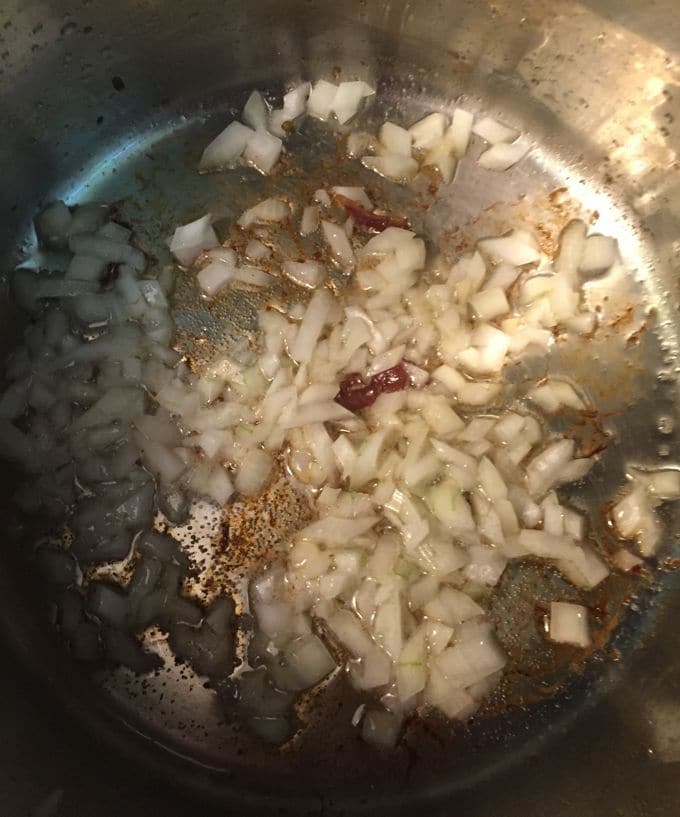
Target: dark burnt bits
356 394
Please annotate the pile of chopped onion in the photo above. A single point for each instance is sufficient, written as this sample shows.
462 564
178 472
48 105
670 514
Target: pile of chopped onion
386 400
80 415
436 142
424 495
397 153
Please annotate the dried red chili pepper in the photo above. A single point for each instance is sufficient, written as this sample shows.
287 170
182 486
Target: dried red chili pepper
374 222
355 394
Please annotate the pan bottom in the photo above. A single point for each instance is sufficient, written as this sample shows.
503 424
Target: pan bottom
154 183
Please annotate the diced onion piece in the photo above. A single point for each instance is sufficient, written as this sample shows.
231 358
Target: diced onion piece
471 660
395 140
396 168
441 156
256 250
294 104
348 98
569 624
321 412
53 225
305 273
339 245
253 276
460 131
295 100
321 99
263 151
572 245
348 630
554 395
584 568
428 130
489 304
628 514
226 148
626 561
663 484
255 113
452 607
487 352
503 156
312 325
214 277
545 468
322 198
359 143
310 220
309 660
357 194
411 668
417 377
600 252
254 472
190 240
492 131
451 699
512 249
219 486
268 211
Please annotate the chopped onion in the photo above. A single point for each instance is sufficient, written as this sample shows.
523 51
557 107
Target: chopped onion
600 252
357 194
310 220
305 273
460 131
572 245
511 249
268 211
321 99
257 251
311 327
395 140
544 469
489 304
339 245
441 156
294 105
189 241
263 151
502 156
359 143
554 395
322 198
226 148
254 472
252 276
396 167
492 131
214 277
255 113
348 98
569 624
428 130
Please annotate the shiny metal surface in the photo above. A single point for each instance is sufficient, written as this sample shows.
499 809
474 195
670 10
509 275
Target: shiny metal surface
596 86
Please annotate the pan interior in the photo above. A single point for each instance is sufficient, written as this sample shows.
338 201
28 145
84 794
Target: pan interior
627 370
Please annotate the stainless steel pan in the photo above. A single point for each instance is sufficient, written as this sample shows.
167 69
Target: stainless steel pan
113 101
